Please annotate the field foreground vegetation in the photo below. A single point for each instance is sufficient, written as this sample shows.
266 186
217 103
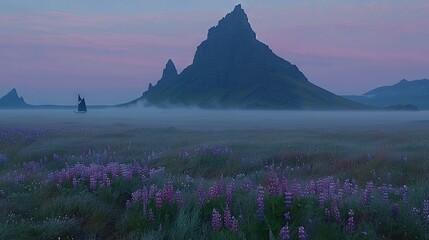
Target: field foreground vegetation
121 181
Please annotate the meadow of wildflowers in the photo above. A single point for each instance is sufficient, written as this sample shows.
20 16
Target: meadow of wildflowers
129 183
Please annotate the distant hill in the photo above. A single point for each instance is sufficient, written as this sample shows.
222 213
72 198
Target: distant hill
405 92
232 69
12 100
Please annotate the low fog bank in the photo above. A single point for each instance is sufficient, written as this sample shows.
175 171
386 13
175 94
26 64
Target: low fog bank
198 119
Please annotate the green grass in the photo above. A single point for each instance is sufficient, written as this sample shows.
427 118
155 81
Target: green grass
30 209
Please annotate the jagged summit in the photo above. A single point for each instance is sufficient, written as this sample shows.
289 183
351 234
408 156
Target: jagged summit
170 70
232 69
234 24
12 100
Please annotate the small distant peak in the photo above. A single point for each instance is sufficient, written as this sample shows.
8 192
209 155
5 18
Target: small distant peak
404 81
169 70
238 7
170 63
13 93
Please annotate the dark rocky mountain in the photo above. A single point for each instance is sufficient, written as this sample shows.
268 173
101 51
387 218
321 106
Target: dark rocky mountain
232 69
405 92
12 100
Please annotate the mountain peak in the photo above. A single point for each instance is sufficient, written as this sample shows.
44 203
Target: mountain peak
232 69
12 93
11 100
234 24
169 70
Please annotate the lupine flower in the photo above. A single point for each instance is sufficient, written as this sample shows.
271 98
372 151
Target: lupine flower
230 188
179 198
168 193
287 217
273 183
260 203
158 199
302 235
288 200
336 213
234 224
247 185
284 233
351 222
385 193
216 220
201 194
214 191
227 218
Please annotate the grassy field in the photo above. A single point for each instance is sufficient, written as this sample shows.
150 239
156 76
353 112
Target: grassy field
214 175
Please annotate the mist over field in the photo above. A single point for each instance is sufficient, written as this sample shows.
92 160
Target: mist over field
199 119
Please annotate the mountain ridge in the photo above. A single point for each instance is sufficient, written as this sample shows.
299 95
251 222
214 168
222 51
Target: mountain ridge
412 92
232 69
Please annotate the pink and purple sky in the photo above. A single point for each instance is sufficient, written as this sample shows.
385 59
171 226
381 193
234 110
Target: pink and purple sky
109 50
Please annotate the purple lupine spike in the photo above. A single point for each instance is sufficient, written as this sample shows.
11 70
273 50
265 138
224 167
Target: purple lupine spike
288 200
234 224
201 194
285 185
296 189
158 199
336 213
273 183
302 235
425 209
260 203
284 233
227 218
385 193
247 185
145 196
216 220
179 198
287 217
365 198
168 193
152 190
214 191
229 192
351 222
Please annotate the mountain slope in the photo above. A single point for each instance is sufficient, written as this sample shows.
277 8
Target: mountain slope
232 69
405 92
12 100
